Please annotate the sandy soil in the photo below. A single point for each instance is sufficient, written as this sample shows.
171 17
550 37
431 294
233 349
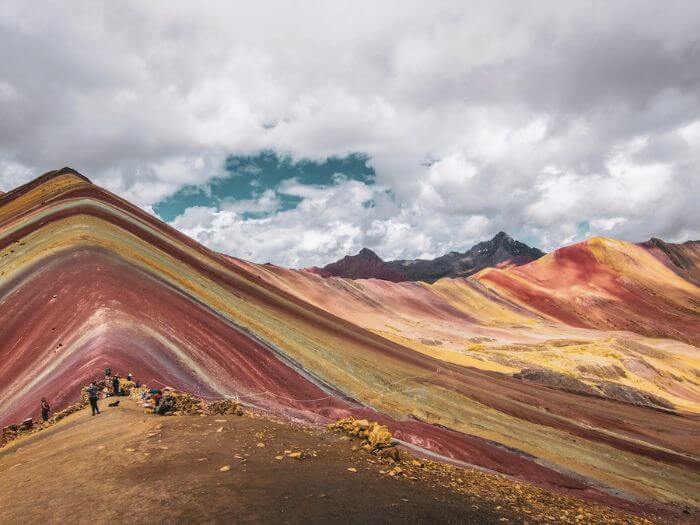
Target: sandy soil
127 466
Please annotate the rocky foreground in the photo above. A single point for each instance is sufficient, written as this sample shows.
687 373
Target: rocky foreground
126 464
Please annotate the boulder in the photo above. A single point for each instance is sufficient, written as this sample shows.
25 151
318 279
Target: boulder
377 436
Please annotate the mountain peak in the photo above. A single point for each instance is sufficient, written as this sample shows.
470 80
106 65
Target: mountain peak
366 253
66 170
502 236
365 265
501 251
43 179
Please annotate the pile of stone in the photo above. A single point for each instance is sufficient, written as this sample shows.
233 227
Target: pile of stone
67 411
11 432
375 437
185 404
139 392
224 407
28 426
126 386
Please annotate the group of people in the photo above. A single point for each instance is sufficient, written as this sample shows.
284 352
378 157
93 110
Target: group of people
93 392
162 403
93 395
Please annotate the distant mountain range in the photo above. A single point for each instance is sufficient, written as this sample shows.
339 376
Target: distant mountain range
500 252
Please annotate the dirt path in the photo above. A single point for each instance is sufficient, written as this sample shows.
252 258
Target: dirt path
127 466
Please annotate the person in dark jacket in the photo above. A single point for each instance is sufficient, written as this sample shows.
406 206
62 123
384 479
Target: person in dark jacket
93 395
115 385
45 409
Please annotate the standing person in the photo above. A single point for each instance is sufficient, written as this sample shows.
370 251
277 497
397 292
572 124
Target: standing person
129 377
45 409
93 395
115 385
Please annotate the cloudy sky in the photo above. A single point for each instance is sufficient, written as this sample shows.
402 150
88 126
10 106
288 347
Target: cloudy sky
298 132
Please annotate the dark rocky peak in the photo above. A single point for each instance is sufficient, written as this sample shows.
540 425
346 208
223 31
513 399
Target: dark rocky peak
507 244
502 237
368 255
501 250
365 265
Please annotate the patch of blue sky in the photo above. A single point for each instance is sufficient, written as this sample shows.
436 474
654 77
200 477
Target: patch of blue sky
258 180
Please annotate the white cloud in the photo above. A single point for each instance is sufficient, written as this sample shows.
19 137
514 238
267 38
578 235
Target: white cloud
606 224
328 224
266 202
536 118
625 193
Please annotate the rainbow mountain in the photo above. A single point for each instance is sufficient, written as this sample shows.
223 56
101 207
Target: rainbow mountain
579 371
